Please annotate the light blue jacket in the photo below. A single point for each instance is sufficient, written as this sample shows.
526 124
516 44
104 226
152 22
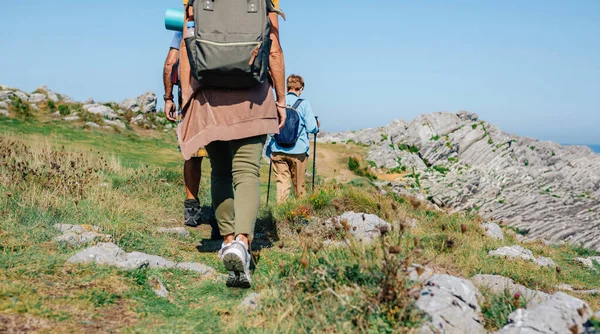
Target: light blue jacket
308 124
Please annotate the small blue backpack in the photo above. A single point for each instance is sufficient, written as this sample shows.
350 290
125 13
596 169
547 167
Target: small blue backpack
288 136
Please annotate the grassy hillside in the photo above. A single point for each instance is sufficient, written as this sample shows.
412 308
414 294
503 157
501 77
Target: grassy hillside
130 184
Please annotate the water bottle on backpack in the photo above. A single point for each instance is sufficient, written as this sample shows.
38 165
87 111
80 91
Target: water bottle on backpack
191 29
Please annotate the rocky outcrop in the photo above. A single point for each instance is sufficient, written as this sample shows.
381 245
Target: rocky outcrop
144 103
452 304
99 109
560 313
548 191
499 285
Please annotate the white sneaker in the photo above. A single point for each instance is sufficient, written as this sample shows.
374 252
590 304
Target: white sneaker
237 261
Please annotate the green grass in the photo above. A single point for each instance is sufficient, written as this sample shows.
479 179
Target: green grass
129 184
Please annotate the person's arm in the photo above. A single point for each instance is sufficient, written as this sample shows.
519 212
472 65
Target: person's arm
309 118
172 57
277 67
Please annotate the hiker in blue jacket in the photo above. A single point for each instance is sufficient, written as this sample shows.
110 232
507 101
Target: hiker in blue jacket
289 163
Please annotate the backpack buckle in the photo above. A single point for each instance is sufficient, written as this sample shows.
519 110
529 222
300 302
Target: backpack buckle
252 6
208 5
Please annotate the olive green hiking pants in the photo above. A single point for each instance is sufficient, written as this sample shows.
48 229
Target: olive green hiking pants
235 183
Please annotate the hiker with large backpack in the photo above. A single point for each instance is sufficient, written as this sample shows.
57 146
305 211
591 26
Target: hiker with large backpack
289 150
192 168
234 60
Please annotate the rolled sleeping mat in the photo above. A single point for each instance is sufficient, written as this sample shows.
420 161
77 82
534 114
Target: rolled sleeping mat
174 19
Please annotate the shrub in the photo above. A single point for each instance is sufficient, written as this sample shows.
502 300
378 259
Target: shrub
51 105
64 110
353 164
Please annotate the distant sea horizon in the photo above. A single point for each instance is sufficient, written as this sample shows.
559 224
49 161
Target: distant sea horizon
595 148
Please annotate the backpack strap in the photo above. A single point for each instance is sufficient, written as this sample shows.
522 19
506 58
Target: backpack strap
297 104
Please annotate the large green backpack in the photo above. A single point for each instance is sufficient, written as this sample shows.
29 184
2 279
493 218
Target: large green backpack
231 45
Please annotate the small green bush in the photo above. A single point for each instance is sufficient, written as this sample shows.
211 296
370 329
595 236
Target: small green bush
51 105
64 110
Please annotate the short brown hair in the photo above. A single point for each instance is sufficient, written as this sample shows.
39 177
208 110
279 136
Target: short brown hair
295 82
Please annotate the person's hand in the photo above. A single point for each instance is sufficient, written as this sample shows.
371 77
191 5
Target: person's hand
281 114
318 124
170 111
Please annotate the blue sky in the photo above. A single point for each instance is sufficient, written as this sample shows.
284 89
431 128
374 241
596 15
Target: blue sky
531 67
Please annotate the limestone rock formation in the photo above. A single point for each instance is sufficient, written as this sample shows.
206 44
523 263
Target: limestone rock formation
452 303
560 313
548 191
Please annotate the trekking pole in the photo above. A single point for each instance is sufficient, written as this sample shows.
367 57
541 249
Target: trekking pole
269 183
315 158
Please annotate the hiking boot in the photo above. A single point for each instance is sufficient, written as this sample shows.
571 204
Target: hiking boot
232 277
237 261
192 216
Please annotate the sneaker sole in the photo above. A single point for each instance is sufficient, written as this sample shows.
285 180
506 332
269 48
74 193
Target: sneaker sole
233 262
232 282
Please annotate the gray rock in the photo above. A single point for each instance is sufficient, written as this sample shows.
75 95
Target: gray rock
147 102
177 231
154 261
92 125
364 227
545 262
37 98
51 95
137 119
72 118
586 262
425 273
22 95
3 105
597 315
99 109
116 123
4 112
68 228
129 104
158 287
89 101
107 254
252 301
560 313
452 303
499 284
513 252
200 268
595 259
80 234
111 254
6 94
493 230
83 238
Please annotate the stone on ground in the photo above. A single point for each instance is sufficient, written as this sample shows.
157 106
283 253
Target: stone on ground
80 234
586 262
513 252
3 112
111 254
37 98
499 284
251 302
177 231
452 303
364 227
493 230
545 262
158 287
560 313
